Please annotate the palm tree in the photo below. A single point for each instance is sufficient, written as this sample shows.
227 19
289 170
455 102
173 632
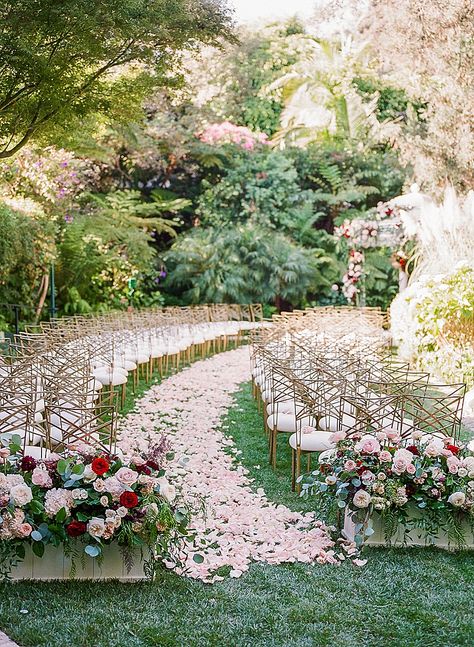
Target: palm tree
319 95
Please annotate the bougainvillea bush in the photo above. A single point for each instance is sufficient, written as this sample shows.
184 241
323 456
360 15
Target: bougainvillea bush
88 499
384 474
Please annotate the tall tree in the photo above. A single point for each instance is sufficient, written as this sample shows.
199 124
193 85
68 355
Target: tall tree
64 60
429 48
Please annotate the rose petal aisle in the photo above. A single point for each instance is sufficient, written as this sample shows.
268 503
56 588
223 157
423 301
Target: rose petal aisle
238 524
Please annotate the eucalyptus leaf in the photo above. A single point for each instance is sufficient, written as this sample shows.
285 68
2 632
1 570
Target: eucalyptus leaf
92 551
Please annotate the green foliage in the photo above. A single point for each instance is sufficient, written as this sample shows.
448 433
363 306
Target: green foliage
245 264
62 61
259 185
26 247
381 279
124 209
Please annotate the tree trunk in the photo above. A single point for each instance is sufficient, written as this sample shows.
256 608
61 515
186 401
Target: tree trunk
44 293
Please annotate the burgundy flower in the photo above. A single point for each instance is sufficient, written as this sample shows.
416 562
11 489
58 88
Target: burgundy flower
128 499
143 469
413 449
76 528
153 464
28 463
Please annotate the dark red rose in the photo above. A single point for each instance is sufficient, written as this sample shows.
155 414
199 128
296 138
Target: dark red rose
128 499
28 463
76 528
453 448
143 469
100 466
324 468
410 488
153 464
413 449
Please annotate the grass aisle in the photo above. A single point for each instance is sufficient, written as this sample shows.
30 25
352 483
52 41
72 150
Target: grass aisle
408 598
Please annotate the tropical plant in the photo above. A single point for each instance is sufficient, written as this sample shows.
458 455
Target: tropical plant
246 264
127 208
320 97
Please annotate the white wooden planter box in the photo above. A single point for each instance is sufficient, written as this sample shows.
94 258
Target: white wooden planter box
55 565
414 537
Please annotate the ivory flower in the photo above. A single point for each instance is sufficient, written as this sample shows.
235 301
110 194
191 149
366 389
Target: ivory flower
362 499
21 494
96 527
457 499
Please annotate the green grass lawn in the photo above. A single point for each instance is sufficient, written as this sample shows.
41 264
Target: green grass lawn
404 598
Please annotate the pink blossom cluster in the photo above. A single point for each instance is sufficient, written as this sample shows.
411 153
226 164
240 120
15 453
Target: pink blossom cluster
239 524
229 133
353 275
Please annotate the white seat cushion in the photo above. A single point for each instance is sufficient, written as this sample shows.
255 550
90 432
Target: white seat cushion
317 441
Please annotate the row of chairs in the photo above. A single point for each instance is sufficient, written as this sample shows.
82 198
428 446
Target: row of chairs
325 370
65 381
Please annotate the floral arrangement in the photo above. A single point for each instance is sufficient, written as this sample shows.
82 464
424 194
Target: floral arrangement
228 133
84 500
353 275
384 474
382 229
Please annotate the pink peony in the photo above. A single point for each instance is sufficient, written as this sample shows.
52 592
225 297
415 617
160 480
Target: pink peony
362 499
41 478
25 530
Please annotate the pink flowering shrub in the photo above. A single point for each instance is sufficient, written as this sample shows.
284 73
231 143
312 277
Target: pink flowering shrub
383 473
88 497
228 133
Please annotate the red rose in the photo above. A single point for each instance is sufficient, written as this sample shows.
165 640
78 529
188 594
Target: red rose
128 499
153 464
453 448
413 449
28 463
76 528
100 466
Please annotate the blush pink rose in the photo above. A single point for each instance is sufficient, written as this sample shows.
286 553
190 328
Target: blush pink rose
126 476
385 456
368 445
337 436
411 469
350 465
25 530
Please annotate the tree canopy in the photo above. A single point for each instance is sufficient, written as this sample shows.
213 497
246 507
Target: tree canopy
64 60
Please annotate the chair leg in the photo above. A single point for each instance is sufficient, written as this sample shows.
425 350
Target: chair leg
274 453
123 395
293 470
298 468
